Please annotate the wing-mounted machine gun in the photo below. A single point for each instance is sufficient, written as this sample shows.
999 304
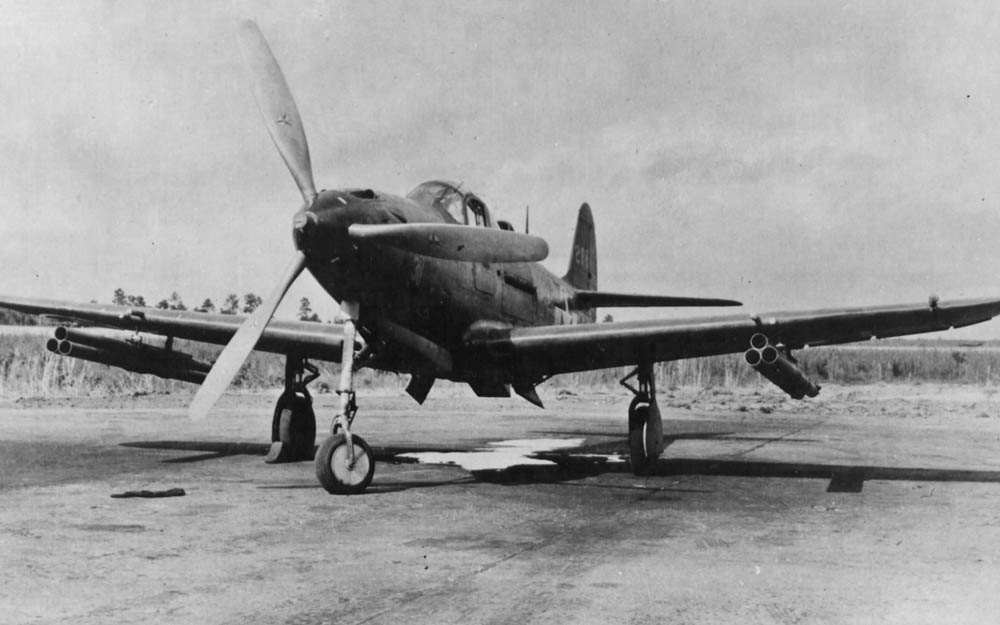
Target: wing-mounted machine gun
777 365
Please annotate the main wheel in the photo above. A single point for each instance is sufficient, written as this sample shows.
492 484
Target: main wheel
638 414
335 472
294 427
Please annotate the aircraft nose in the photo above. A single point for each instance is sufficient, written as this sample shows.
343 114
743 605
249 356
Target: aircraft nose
321 230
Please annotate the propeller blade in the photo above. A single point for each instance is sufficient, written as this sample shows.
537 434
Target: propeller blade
236 352
277 107
455 242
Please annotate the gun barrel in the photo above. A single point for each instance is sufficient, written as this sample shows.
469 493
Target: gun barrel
129 355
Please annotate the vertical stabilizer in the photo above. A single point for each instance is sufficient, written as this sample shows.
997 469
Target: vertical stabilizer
582 272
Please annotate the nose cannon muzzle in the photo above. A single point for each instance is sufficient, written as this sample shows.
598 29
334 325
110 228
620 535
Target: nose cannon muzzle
302 224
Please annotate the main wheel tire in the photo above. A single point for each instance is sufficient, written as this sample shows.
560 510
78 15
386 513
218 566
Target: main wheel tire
332 465
638 413
294 426
654 434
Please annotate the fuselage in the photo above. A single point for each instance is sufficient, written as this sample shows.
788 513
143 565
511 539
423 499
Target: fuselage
439 300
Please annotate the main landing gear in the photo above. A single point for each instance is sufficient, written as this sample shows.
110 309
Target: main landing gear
345 463
293 429
645 426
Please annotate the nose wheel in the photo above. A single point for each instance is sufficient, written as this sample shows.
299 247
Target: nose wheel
341 470
345 463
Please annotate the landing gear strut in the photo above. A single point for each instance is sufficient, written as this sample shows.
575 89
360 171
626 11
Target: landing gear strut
645 426
345 463
293 429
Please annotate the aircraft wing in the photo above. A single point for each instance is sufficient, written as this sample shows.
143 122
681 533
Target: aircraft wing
538 352
305 338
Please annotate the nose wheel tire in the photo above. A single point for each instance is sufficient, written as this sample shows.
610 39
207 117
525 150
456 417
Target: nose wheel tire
335 471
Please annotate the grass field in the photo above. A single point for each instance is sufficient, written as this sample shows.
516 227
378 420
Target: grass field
28 370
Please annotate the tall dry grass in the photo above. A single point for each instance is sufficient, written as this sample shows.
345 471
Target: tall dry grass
28 370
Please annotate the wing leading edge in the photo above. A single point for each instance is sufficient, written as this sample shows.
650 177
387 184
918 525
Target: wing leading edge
304 338
550 350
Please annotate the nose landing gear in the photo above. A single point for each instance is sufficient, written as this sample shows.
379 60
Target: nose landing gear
345 463
645 426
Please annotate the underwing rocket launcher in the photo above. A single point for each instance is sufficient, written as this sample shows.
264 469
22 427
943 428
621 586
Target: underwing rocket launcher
779 367
131 355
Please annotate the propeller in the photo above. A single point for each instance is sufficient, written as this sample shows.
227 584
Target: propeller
281 116
277 107
454 242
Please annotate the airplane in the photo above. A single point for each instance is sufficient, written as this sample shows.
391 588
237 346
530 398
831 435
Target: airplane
430 285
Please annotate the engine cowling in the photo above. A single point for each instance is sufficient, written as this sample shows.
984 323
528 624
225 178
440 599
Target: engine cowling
777 367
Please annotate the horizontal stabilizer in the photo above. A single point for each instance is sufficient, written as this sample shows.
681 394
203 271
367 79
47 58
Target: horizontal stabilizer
603 299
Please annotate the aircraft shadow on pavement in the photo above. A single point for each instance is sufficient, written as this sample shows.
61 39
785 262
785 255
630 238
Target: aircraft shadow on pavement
218 449
378 487
599 458
211 450
592 460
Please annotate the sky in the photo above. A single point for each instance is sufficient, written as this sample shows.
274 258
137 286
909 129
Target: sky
789 155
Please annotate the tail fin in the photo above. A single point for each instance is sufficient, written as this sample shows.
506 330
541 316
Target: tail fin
582 272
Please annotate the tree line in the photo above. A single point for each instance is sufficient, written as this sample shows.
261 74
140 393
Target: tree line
232 304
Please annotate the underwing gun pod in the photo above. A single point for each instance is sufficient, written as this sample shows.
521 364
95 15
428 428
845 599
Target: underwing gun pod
130 354
779 367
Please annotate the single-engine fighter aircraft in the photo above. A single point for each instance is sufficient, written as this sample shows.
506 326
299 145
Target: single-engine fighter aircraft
431 285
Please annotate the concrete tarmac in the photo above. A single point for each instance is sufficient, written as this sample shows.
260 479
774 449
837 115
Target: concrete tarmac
871 504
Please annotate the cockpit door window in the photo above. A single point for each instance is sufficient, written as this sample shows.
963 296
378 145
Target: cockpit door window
478 211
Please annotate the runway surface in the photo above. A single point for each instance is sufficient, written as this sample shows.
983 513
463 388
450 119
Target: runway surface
872 504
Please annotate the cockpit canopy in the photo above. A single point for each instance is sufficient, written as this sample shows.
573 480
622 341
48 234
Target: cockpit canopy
452 203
